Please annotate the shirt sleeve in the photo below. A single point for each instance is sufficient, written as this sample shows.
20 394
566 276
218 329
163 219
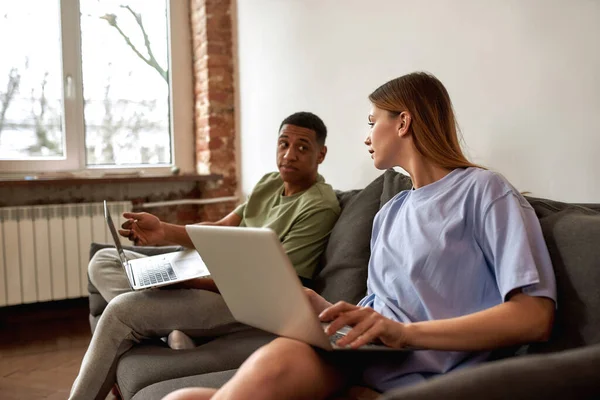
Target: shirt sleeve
306 240
239 210
515 249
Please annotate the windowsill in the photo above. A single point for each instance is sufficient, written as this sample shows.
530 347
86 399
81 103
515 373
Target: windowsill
68 181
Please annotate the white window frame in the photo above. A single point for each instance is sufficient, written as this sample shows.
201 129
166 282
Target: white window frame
181 107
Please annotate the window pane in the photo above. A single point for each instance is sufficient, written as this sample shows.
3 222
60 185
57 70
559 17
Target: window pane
125 81
31 108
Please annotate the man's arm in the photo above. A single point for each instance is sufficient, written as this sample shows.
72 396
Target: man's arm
232 219
306 240
178 235
145 229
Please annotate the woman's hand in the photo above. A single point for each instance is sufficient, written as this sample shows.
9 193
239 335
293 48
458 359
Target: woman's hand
368 326
142 229
317 302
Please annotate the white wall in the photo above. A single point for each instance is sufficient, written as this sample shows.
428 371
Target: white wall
524 76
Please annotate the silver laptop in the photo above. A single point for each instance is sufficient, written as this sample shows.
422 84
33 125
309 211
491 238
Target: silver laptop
259 284
158 270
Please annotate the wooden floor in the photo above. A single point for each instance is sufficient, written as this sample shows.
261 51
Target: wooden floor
41 347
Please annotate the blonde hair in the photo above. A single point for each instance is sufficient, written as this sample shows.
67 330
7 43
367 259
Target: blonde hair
433 125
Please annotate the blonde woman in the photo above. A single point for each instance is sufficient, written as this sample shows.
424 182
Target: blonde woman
458 267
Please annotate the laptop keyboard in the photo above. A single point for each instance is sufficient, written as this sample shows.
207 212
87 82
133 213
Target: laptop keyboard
158 273
369 346
335 337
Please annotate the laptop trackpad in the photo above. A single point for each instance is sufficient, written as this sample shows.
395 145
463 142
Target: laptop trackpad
189 266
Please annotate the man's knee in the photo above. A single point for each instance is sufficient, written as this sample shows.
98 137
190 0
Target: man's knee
101 262
122 307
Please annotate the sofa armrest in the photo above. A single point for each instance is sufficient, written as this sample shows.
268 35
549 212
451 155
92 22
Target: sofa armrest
570 374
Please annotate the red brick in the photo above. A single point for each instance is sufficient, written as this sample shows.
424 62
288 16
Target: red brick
214 101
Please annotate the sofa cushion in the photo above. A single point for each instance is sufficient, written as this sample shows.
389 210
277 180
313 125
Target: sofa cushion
159 390
572 234
344 263
569 374
393 183
217 379
145 365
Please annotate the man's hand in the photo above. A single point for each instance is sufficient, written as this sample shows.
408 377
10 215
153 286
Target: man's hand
142 229
368 326
317 302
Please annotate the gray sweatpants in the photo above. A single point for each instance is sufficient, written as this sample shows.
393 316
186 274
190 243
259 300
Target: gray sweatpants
132 316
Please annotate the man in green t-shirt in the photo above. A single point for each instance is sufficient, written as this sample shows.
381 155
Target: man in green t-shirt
295 202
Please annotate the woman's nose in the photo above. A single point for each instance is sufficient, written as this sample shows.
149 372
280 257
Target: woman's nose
368 140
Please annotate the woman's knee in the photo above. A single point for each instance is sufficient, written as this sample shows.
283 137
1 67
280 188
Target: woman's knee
282 359
191 394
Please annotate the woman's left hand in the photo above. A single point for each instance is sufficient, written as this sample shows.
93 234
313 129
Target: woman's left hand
368 326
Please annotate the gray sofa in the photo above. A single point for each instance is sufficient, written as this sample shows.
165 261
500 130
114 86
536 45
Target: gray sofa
567 366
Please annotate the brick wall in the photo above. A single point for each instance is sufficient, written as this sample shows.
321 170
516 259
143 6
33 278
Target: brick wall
211 23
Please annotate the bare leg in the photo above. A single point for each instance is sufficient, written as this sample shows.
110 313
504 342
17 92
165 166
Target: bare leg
191 394
283 369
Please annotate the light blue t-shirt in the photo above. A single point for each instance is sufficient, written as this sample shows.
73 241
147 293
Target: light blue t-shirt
451 248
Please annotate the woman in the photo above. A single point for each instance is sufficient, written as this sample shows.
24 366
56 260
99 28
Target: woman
458 267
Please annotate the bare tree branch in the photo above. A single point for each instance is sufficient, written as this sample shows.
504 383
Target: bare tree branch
41 126
150 60
138 19
110 127
12 87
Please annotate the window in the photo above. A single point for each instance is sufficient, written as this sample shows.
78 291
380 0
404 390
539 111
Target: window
95 86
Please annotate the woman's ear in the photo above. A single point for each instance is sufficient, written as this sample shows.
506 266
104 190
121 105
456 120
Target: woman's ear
404 121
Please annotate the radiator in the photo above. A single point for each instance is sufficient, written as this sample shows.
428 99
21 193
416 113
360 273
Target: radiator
44 250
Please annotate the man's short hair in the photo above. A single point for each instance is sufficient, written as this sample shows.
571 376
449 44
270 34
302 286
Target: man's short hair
308 120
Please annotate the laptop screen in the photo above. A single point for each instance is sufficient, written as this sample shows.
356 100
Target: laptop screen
115 235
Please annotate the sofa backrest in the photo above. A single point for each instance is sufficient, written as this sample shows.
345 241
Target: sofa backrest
572 234
344 265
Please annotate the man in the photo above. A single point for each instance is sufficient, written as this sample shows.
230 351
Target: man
295 202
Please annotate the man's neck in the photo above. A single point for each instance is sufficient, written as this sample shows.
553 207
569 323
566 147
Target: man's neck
291 188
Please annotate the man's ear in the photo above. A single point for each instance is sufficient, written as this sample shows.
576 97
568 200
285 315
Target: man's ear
404 121
322 154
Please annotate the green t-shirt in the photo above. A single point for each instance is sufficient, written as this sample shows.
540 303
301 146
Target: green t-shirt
302 221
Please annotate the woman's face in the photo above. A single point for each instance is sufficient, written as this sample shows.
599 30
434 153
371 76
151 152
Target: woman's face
384 140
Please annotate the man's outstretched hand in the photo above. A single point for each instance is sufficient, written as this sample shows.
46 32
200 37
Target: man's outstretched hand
142 229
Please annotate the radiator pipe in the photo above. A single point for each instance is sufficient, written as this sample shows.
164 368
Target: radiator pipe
187 201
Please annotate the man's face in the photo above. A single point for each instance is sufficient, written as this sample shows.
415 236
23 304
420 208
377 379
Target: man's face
298 153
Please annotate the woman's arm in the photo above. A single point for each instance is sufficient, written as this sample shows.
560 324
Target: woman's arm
521 319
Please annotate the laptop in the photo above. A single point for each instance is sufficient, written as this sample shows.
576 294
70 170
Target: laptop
159 270
259 284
